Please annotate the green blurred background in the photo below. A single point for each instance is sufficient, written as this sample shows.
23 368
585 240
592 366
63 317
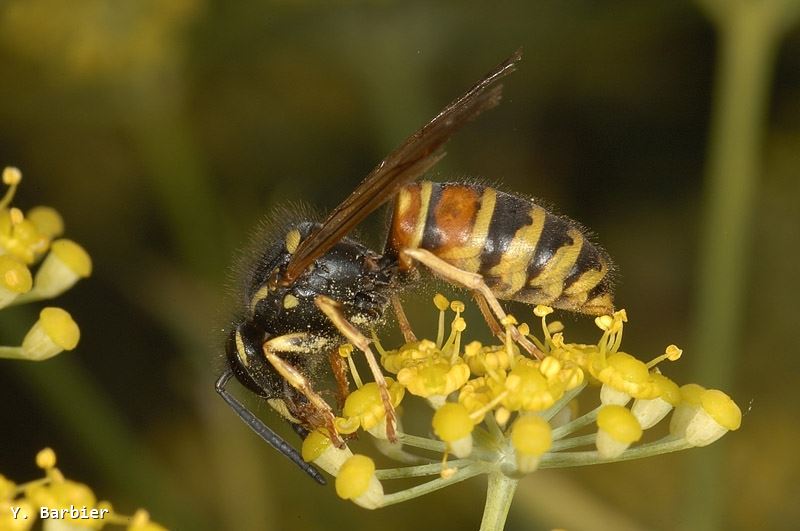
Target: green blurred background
164 130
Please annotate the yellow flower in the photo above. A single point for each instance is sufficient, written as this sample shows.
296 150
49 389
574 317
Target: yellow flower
531 437
20 238
434 378
623 377
476 396
527 388
410 355
357 482
69 504
54 332
617 430
650 411
704 415
486 360
15 279
364 408
66 263
452 424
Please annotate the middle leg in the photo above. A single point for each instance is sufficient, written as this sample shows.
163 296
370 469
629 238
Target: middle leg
333 310
474 282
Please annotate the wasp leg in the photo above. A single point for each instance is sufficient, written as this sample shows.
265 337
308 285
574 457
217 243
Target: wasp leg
339 367
333 310
471 281
263 431
319 408
488 316
402 320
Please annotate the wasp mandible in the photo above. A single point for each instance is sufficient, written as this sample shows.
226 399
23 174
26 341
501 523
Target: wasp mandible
314 289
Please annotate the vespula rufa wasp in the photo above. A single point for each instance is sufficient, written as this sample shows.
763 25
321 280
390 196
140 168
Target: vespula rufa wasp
314 288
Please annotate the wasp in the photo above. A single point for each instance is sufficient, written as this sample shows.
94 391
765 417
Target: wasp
315 288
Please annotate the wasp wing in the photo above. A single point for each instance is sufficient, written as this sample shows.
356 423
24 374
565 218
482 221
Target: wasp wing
419 153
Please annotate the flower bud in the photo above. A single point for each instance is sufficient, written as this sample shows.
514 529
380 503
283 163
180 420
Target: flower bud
318 449
453 425
55 331
65 264
704 415
617 430
356 481
531 437
47 221
15 279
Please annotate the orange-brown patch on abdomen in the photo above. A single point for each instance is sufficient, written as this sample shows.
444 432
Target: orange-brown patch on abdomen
453 219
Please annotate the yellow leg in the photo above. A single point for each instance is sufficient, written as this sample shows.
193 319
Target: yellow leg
333 310
320 410
471 281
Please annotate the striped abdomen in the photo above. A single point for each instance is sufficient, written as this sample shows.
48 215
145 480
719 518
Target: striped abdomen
523 252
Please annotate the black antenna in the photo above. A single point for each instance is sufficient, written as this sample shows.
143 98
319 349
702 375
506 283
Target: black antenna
263 431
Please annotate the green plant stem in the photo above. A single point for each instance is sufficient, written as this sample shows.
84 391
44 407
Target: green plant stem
12 353
418 470
573 442
575 425
434 485
570 459
499 494
749 32
553 410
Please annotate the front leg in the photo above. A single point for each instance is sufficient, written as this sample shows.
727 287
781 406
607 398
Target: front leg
333 310
316 412
473 282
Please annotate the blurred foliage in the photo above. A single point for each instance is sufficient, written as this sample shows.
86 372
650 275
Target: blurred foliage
163 131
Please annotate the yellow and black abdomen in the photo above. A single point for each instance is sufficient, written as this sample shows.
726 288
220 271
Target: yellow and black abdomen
523 252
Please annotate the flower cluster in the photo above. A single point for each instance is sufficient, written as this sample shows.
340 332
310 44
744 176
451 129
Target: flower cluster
502 412
31 240
61 504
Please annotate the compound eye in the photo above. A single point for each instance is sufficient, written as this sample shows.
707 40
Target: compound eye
234 349
243 350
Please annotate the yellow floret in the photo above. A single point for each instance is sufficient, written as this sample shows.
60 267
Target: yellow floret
314 445
452 422
619 423
47 221
14 275
531 435
722 409
60 327
354 477
73 256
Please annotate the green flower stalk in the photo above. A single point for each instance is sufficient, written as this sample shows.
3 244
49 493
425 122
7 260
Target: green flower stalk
61 504
505 414
28 241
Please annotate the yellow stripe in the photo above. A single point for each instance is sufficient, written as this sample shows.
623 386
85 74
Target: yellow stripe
513 266
586 282
424 202
551 279
240 352
468 257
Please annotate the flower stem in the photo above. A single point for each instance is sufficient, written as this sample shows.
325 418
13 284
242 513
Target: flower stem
433 485
499 495
418 470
